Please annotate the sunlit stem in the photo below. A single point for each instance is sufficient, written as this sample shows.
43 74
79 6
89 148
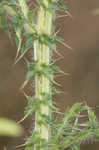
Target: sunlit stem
42 55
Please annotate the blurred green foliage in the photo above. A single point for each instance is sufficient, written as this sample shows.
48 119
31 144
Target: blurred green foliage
9 128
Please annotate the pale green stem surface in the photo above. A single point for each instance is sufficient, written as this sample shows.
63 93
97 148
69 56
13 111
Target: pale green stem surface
42 55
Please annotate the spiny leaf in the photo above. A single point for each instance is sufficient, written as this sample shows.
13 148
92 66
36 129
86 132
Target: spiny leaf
51 41
74 112
36 139
30 38
48 40
70 140
41 69
10 10
45 120
92 119
60 4
32 106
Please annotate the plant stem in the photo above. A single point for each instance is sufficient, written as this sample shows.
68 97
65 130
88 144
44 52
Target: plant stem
42 56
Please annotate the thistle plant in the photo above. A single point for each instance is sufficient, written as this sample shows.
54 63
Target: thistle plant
33 28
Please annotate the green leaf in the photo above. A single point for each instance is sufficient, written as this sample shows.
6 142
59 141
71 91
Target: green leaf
9 10
31 16
28 43
30 38
75 147
48 40
92 119
61 5
32 106
36 139
74 112
83 135
3 23
58 5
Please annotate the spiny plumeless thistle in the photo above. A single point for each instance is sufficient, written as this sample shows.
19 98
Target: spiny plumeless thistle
34 29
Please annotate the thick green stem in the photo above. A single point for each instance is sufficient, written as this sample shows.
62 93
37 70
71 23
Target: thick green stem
42 55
